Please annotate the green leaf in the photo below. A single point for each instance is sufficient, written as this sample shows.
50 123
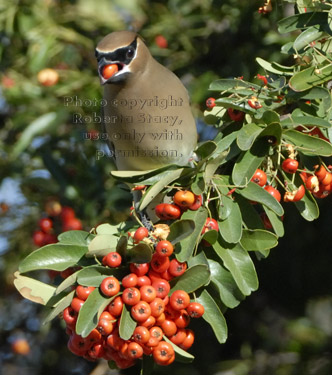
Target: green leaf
198 186
258 240
231 103
247 136
180 229
248 161
301 21
156 188
308 207
57 257
210 236
180 354
270 117
127 323
193 278
187 246
212 116
240 265
231 228
250 216
93 276
205 149
274 68
225 142
225 207
76 237
59 307
227 84
272 130
67 282
200 258
90 312
213 316
121 246
224 282
307 78
137 176
276 222
314 93
306 37
33 290
140 253
306 121
307 144
103 244
107 229
256 193
211 167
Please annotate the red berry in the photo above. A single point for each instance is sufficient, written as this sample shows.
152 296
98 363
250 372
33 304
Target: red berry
179 300
46 224
259 177
290 165
176 268
210 102
235 114
195 309
113 259
274 192
161 41
38 238
197 203
164 248
109 70
110 286
140 234
72 224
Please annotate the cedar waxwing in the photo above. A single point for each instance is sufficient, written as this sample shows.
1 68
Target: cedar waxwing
147 115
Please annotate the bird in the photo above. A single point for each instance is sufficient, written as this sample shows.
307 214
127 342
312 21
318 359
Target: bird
146 108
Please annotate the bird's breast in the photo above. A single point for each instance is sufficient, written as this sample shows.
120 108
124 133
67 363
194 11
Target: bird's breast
149 125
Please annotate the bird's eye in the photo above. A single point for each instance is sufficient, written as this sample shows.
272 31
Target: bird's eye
130 53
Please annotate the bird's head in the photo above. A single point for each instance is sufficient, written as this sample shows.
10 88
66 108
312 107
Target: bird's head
118 56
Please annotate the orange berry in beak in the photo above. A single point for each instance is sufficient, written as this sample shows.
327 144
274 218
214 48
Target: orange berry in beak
109 71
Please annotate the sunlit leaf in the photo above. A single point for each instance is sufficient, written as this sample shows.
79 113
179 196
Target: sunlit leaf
224 282
307 144
76 237
90 312
256 193
258 240
180 354
231 228
213 316
102 244
127 323
156 188
193 278
180 229
186 247
33 290
240 265
57 257
59 307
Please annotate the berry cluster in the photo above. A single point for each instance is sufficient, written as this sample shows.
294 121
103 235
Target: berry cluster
318 182
157 313
58 218
182 200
